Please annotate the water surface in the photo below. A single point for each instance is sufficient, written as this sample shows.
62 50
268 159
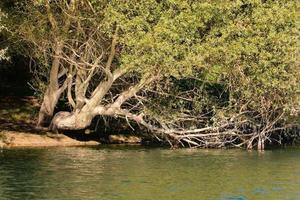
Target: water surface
147 173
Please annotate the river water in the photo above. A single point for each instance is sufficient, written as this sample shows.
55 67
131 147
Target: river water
122 172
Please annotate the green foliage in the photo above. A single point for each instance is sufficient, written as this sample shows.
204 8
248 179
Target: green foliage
2 27
258 50
251 47
163 36
245 53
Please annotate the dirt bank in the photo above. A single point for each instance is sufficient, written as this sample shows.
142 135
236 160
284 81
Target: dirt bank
23 139
17 128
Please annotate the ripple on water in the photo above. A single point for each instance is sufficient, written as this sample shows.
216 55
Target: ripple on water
143 173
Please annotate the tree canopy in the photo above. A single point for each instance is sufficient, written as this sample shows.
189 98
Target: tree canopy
2 50
202 73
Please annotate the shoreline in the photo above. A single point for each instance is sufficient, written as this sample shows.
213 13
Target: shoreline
13 139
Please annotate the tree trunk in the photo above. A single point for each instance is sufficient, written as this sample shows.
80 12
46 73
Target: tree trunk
261 142
47 108
71 121
53 92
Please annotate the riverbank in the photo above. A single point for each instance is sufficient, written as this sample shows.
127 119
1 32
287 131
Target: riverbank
17 128
10 139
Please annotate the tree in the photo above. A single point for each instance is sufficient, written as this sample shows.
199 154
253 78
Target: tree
2 50
215 66
262 65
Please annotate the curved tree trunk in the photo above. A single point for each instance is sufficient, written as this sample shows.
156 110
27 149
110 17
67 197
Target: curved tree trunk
47 108
54 90
52 93
71 121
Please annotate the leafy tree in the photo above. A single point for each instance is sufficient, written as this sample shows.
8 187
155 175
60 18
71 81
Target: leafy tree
2 50
258 54
223 72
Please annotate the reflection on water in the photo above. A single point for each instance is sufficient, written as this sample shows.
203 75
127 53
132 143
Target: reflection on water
141 173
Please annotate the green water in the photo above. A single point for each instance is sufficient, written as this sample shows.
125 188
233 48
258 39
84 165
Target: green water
141 173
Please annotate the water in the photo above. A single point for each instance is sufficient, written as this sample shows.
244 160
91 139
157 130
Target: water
141 173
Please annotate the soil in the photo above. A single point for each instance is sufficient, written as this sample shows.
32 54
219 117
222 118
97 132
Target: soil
17 126
18 129
24 139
